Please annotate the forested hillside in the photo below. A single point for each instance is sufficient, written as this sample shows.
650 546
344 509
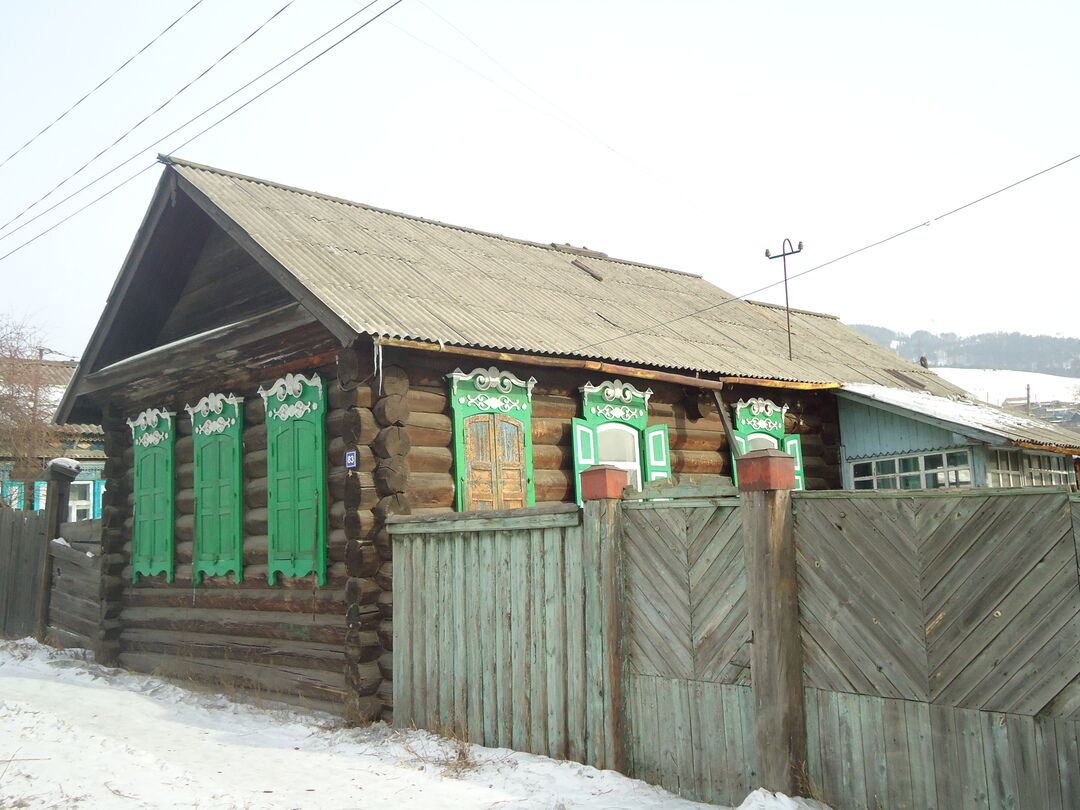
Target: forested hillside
1011 350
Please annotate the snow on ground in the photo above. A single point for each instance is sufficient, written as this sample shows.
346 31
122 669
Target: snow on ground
77 735
997 385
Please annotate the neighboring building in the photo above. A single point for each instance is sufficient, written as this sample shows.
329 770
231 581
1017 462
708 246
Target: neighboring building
22 489
277 371
895 439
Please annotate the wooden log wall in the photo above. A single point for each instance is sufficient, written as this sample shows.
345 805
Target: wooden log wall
285 642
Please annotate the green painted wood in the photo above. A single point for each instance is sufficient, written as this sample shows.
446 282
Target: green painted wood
296 485
217 423
154 435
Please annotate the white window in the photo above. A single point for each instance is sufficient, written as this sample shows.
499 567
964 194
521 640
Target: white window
1013 468
950 468
81 501
618 447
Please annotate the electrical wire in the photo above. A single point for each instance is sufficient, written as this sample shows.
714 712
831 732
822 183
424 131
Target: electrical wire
102 83
849 254
221 120
147 117
187 123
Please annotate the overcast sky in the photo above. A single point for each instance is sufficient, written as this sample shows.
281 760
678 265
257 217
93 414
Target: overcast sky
692 135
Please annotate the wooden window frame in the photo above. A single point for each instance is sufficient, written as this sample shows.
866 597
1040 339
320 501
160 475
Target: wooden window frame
614 402
921 472
489 391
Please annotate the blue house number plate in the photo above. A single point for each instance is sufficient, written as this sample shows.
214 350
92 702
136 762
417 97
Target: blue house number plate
350 459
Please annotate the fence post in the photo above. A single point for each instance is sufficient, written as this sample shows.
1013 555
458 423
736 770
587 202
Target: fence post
601 492
62 472
766 478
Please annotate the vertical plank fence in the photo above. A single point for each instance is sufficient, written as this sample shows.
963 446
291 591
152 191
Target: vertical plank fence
22 546
499 630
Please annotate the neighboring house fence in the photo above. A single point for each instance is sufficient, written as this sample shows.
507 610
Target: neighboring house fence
937 652
22 544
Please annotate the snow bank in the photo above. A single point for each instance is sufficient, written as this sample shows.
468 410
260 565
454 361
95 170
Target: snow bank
77 735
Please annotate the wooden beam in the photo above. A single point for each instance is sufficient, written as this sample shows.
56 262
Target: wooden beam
330 319
192 350
557 362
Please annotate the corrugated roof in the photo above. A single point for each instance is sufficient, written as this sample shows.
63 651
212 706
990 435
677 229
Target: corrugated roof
964 414
393 275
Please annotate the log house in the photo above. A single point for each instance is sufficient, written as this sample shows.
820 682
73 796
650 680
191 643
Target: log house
443 368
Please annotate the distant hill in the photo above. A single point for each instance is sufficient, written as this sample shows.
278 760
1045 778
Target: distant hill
1001 350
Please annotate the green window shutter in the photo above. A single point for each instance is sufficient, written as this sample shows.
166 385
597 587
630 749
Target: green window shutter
793 447
296 468
761 421
492 417
657 453
217 423
99 490
586 445
154 433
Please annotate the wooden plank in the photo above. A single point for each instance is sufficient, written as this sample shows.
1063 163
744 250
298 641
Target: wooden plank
472 576
1046 751
595 662
555 641
853 766
921 752
404 637
1029 791
489 609
576 633
538 660
898 761
946 761
1000 779
739 747
1068 761
521 648
687 775
969 749
443 673
530 517
463 641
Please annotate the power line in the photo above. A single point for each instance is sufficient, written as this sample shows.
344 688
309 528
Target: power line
221 120
187 123
102 83
147 117
896 235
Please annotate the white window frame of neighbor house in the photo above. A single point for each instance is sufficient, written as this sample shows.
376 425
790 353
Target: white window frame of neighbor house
1017 468
936 470
77 505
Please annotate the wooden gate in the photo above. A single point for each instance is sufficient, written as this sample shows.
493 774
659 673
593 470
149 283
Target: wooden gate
22 544
689 708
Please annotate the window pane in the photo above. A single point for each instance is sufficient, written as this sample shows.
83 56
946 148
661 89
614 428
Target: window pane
963 476
935 480
909 464
910 482
862 469
957 459
865 484
934 462
617 444
886 483
887 467
759 442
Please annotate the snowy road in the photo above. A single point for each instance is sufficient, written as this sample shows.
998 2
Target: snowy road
75 735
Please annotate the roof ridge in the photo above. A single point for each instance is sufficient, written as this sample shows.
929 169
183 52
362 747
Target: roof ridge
169 160
793 309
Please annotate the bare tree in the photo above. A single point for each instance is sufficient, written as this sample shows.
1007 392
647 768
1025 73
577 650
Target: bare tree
28 399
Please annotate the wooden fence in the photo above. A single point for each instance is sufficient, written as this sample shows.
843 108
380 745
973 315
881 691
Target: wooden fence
502 633
940 637
75 604
22 544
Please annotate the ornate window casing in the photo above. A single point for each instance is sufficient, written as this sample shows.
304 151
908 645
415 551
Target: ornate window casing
153 434
614 431
296 477
217 427
493 450
759 425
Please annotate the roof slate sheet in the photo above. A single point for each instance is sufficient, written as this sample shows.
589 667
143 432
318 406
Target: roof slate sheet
967 413
392 275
